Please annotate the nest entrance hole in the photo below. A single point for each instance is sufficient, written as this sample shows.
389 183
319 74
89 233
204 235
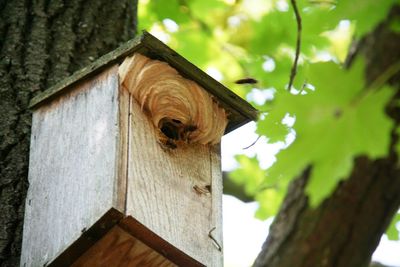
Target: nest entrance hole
176 130
171 128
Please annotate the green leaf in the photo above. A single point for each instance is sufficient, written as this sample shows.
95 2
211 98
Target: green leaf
279 29
215 9
274 29
270 201
366 13
336 117
146 16
272 127
248 174
392 231
362 129
173 10
278 78
186 43
395 25
337 122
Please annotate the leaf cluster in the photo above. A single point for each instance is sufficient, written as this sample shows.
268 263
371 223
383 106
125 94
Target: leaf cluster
332 115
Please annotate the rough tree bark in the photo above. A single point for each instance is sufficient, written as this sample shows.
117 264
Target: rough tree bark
42 42
346 228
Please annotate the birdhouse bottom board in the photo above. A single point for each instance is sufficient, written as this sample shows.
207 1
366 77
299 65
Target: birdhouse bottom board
116 240
93 148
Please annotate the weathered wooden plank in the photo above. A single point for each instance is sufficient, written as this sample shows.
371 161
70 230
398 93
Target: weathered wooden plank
88 238
216 191
132 243
122 157
72 168
168 190
120 249
88 71
144 234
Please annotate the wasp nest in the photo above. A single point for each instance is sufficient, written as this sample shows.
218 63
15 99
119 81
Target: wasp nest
178 107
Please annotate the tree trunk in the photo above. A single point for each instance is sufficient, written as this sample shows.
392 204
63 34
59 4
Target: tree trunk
42 42
346 228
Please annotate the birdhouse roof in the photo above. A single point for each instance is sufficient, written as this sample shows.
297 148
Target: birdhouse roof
239 111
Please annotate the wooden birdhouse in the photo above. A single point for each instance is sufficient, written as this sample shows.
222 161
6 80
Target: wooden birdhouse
125 163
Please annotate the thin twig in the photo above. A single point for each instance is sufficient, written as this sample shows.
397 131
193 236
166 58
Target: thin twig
298 44
252 144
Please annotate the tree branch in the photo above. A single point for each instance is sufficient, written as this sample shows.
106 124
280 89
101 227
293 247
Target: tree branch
298 44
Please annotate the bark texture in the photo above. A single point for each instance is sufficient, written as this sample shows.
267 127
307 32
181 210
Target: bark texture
345 230
42 42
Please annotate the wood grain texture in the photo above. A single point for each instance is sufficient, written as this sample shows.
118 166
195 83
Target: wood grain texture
102 246
157 243
122 153
216 191
88 238
72 167
168 190
120 249
88 71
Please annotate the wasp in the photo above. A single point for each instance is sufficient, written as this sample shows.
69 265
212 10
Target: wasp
246 81
174 130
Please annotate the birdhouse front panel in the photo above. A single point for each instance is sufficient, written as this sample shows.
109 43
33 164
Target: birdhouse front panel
174 183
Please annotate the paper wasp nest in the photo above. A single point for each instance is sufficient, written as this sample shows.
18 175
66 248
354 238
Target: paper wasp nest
178 107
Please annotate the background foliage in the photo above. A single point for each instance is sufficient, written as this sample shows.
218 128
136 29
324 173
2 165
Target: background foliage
330 112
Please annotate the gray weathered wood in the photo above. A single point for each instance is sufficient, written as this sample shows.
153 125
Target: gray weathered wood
122 156
89 71
216 183
168 190
72 167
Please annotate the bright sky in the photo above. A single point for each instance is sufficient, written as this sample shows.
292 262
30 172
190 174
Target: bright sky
243 234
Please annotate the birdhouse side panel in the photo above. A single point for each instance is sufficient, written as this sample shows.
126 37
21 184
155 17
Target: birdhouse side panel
74 145
175 191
